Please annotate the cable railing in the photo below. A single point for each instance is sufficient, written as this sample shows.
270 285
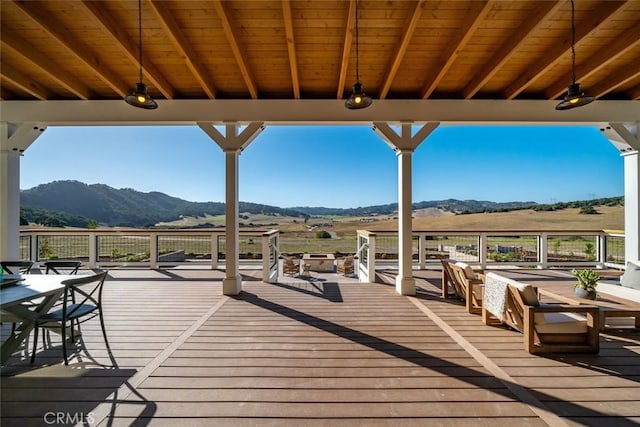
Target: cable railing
537 249
140 247
261 249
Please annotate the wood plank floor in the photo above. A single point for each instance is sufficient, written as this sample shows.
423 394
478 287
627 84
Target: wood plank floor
329 351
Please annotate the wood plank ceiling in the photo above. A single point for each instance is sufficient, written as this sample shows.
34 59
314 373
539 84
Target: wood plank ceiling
289 49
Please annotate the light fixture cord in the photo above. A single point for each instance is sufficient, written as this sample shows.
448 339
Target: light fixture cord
573 44
140 37
357 49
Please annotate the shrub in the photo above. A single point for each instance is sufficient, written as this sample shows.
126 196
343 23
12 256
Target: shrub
323 235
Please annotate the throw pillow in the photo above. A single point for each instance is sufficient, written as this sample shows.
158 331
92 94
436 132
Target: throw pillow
631 276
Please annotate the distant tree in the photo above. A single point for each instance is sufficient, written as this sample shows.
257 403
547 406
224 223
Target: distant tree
92 224
323 235
588 210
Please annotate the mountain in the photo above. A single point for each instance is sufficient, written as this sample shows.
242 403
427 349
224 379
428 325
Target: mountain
71 201
450 205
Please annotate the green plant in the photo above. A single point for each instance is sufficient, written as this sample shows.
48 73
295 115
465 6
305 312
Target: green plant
587 279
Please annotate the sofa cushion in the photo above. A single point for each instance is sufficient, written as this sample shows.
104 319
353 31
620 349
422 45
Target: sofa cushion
560 323
527 292
631 276
468 271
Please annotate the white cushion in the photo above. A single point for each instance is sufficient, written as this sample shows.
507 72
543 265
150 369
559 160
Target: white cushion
560 323
631 276
527 292
468 271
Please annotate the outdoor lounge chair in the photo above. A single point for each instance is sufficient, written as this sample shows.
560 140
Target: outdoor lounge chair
290 266
547 328
466 283
345 265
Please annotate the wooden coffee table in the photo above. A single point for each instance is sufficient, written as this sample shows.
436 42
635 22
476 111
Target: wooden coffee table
609 306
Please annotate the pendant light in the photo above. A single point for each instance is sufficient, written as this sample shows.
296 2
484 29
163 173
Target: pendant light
358 98
139 97
574 97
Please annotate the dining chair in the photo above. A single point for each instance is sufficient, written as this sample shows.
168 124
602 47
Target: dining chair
16 267
62 267
88 304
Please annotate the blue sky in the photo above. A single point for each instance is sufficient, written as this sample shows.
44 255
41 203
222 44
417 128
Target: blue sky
346 166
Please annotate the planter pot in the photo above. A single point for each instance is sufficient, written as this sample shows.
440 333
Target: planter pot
583 293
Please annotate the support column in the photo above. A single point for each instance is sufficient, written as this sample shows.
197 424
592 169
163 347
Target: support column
405 283
625 137
232 143
14 140
404 144
631 206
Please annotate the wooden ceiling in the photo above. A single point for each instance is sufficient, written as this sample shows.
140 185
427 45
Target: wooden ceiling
288 49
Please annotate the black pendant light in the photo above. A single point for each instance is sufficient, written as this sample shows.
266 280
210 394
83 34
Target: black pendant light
574 97
358 98
139 97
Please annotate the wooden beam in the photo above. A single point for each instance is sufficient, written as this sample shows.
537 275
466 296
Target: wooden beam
346 50
130 48
614 80
21 80
634 93
474 18
56 30
537 18
44 64
410 25
182 45
291 47
540 66
604 56
220 9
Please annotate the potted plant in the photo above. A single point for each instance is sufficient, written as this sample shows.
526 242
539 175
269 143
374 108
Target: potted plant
587 282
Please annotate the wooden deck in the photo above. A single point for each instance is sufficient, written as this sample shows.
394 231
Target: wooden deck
330 351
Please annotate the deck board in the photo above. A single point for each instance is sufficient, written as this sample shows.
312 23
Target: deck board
332 352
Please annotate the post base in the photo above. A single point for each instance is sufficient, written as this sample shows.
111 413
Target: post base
406 285
231 285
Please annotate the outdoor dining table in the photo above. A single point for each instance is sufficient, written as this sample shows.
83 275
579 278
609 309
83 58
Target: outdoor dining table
43 289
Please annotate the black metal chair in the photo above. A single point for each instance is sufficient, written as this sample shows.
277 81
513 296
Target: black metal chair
16 267
87 291
62 267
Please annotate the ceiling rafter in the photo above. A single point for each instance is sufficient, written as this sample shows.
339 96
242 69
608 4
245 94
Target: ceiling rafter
172 29
614 80
401 49
541 65
130 48
56 30
291 47
346 50
19 79
471 23
515 40
220 9
45 65
627 41
635 93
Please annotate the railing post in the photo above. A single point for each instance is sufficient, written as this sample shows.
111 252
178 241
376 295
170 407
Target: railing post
422 250
34 247
93 250
214 251
543 250
601 249
482 250
371 257
153 251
